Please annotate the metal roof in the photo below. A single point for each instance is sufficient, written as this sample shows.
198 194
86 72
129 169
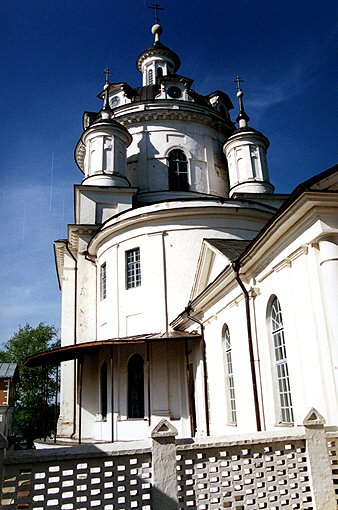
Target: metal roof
7 370
231 248
75 351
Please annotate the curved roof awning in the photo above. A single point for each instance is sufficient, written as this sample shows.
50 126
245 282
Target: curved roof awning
76 351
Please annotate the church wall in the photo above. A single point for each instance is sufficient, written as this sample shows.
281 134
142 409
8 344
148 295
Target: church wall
201 145
86 295
232 314
293 270
168 258
296 283
65 422
167 397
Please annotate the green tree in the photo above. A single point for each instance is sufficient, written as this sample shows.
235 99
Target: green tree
34 412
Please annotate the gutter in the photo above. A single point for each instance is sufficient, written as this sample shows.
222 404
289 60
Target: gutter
236 267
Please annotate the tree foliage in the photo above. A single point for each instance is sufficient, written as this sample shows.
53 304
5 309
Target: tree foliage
34 412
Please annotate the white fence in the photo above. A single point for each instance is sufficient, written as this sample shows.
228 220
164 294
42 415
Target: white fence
267 471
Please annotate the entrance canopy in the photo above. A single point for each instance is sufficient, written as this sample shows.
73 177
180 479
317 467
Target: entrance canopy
76 351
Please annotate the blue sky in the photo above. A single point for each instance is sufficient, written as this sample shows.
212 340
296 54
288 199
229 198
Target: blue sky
52 55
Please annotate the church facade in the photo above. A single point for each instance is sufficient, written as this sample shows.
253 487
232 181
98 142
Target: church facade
190 290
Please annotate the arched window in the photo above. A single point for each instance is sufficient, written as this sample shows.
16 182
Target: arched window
159 72
178 171
150 77
229 376
136 387
103 390
281 363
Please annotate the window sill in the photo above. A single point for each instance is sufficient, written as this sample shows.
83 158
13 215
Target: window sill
99 419
124 418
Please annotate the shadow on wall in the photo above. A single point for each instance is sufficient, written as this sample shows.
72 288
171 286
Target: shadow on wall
156 176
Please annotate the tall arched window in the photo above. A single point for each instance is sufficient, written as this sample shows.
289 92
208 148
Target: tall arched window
136 387
281 363
103 391
178 171
229 376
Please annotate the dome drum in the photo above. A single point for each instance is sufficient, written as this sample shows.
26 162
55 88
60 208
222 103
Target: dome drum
101 154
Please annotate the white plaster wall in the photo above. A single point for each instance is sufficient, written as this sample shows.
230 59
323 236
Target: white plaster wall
293 271
147 156
65 422
229 310
169 252
297 287
86 295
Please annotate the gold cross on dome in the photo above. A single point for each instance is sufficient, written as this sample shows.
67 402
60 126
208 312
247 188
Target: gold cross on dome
156 7
107 73
238 80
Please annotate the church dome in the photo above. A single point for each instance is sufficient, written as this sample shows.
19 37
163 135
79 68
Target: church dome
160 51
158 60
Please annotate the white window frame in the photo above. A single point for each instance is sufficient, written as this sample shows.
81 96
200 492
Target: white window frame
177 171
133 268
281 370
150 76
103 281
229 376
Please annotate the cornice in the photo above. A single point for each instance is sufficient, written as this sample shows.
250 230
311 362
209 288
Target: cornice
163 110
299 216
153 215
59 254
77 231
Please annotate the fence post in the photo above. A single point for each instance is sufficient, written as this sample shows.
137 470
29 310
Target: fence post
3 446
319 462
164 490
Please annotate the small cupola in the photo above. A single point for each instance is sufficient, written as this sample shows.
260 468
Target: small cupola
245 151
158 60
101 151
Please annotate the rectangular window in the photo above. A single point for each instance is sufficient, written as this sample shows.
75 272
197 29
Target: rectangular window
103 282
133 268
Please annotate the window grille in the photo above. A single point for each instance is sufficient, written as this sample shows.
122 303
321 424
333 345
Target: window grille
133 268
178 171
136 387
230 385
150 77
103 282
281 364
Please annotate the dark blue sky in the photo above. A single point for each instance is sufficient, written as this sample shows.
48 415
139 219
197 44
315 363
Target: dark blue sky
52 56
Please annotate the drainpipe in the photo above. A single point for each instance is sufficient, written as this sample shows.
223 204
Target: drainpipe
190 403
205 369
75 341
236 268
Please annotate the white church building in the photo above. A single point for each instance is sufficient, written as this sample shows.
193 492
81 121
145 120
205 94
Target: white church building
190 290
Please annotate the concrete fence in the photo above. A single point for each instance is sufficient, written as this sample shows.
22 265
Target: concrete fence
267 471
